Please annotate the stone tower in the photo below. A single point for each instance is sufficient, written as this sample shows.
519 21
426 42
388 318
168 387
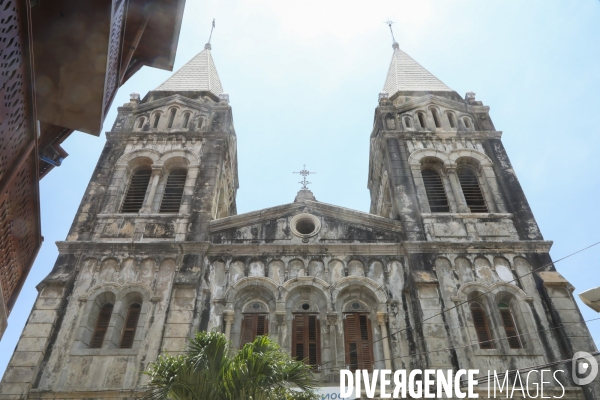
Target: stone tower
448 270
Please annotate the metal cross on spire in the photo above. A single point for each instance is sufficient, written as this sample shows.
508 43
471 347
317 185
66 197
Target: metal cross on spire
390 23
304 173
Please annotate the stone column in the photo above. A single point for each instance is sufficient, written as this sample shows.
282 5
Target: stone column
156 174
382 319
332 318
228 316
280 319
457 190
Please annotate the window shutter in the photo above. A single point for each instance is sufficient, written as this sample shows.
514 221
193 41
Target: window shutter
298 338
471 189
359 346
171 200
481 326
514 341
306 339
136 192
101 326
436 194
253 325
133 316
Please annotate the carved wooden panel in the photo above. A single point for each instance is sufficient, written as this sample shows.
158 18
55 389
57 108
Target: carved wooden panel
114 51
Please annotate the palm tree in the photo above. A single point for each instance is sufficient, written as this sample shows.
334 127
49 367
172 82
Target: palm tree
259 371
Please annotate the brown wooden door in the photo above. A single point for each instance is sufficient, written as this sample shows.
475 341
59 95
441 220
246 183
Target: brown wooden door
306 339
253 325
358 341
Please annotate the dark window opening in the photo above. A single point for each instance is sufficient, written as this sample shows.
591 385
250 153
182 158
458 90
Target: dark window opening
186 119
171 200
436 119
451 120
133 316
359 342
512 334
306 342
467 123
141 123
101 326
305 226
156 119
407 122
422 120
481 327
172 117
469 182
253 325
136 192
434 187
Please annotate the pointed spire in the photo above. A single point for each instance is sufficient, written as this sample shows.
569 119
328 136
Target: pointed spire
198 75
407 75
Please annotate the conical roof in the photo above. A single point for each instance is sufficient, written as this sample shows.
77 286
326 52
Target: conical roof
199 74
405 74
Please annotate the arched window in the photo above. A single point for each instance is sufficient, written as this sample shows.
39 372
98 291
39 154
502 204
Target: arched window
422 120
171 200
512 334
136 192
306 341
451 120
434 187
436 118
358 341
469 182
481 326
101 326
186 120
133 316
141 123
156 119
467 122
172 117
407 122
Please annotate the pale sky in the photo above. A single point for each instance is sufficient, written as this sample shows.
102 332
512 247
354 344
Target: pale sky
303 79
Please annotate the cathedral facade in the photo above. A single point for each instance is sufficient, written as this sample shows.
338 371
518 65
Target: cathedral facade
448 270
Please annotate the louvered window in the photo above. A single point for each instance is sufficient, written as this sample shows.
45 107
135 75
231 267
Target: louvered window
451 120
156 119
422 119
434 187
436 118
358 341
306 342
253 325
171 200
172 117
136 192
512 334
186 119
133 316
101 326
469 183
481 326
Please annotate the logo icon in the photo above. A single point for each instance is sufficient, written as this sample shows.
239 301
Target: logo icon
584 363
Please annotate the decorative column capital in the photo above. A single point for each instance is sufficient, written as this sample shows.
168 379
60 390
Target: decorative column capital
228 316
382 318
332 318
280 317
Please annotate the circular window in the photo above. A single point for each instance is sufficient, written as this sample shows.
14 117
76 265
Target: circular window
356 306
305 225
255 306
305 306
